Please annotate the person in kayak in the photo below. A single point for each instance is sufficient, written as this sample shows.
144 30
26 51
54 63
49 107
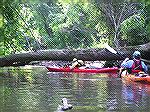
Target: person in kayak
135 64
77 63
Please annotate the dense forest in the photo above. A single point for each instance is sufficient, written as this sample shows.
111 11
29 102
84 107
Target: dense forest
32 25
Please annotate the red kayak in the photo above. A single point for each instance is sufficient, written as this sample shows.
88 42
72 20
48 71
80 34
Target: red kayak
85 70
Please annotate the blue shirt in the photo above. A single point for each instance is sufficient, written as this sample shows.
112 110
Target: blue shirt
129 63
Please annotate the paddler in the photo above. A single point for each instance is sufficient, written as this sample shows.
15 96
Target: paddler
135 64
77 63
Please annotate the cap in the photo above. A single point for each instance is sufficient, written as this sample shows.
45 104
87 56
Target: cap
136 55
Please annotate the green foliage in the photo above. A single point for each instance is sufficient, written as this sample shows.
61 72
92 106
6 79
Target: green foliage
134 22
72 24
1 48
1 20
27 25
134 28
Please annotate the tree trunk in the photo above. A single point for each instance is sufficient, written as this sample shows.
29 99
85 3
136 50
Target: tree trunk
69 54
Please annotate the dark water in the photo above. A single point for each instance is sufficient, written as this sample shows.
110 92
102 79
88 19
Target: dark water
36 90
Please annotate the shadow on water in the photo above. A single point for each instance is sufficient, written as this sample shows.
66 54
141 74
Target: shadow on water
33 89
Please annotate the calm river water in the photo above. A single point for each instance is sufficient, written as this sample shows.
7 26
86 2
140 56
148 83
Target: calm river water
34 89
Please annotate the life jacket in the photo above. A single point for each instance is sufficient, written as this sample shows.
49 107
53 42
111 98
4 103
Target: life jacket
137 65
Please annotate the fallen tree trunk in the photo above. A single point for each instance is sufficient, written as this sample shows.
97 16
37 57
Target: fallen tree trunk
69 54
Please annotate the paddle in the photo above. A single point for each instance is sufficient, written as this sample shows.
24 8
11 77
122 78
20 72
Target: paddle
110 48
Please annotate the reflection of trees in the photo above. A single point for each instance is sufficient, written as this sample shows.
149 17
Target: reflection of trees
84 91
7 99
21 95
88 91
124 96
135 96
114 99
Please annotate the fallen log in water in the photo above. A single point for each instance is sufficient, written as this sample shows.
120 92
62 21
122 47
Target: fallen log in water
68 55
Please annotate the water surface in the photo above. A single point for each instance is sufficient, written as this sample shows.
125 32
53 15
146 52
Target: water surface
34 89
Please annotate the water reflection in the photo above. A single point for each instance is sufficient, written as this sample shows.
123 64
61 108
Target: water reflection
136 95
34 89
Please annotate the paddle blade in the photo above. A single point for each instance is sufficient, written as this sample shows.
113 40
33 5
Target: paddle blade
110 48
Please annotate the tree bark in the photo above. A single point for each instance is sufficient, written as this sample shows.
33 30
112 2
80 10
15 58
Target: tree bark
69 54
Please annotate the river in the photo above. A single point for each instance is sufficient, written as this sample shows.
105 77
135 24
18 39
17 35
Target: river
34 89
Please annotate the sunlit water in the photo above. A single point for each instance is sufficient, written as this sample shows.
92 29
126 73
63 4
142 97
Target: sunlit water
34 89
